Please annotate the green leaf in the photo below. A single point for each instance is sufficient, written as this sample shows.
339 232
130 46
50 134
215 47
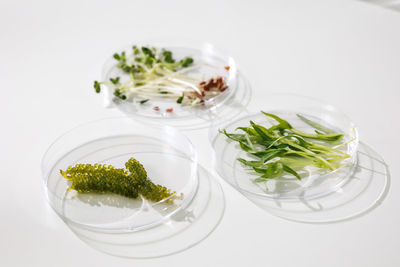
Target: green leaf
286 168
136 50
273 170
260 180
186 62
323 137
261 131
143 101
116 56
260 170
168 56
316 125
139 84
180 99
96 86
119 93
246 147
115 81
282 123
247 130
267 155
147 51
251 163
149 61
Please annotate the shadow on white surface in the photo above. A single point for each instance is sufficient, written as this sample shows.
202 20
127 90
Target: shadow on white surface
390 4
361 194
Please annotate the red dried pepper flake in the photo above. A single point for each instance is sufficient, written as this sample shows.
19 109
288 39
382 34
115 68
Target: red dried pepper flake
156 108
227 67
169 110
202 83
223 88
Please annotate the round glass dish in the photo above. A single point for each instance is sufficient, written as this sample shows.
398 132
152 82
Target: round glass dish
211 63
315 182
167 155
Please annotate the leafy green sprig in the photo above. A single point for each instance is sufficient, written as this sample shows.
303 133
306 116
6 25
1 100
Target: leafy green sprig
282 148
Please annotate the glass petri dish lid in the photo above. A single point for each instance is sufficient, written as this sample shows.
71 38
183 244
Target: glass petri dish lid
168 156
208 63
315 182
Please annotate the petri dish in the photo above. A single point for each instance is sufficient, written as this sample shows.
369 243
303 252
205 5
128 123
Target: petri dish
168 156
179 232
315 182
209 62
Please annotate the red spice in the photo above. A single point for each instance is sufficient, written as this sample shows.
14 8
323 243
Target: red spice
227 67
156 108
209 87
169 110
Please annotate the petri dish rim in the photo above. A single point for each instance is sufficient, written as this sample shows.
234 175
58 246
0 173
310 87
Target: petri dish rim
233 182
46 171
211 104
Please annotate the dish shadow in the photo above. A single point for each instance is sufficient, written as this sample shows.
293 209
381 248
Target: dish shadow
183 229
364 191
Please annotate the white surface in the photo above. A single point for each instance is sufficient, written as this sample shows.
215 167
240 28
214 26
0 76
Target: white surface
344 52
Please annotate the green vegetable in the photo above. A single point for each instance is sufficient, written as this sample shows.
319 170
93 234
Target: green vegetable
119 93
282 149
180 99
143 101
131 182
97 86
115 81
149 69
152 72
186 62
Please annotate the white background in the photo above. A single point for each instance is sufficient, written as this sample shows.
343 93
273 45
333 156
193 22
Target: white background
341 51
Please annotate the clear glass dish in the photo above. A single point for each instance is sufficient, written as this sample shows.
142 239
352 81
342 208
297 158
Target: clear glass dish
181 231
168 156
211 63
315 182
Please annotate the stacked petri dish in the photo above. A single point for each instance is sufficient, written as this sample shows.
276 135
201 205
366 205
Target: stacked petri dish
321 195
134 227
209 64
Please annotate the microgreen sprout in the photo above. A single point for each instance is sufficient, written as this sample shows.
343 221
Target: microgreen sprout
180 99
151 72
97 86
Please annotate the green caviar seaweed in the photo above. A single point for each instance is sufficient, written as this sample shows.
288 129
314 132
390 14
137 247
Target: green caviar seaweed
131 182
147 189
283 149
